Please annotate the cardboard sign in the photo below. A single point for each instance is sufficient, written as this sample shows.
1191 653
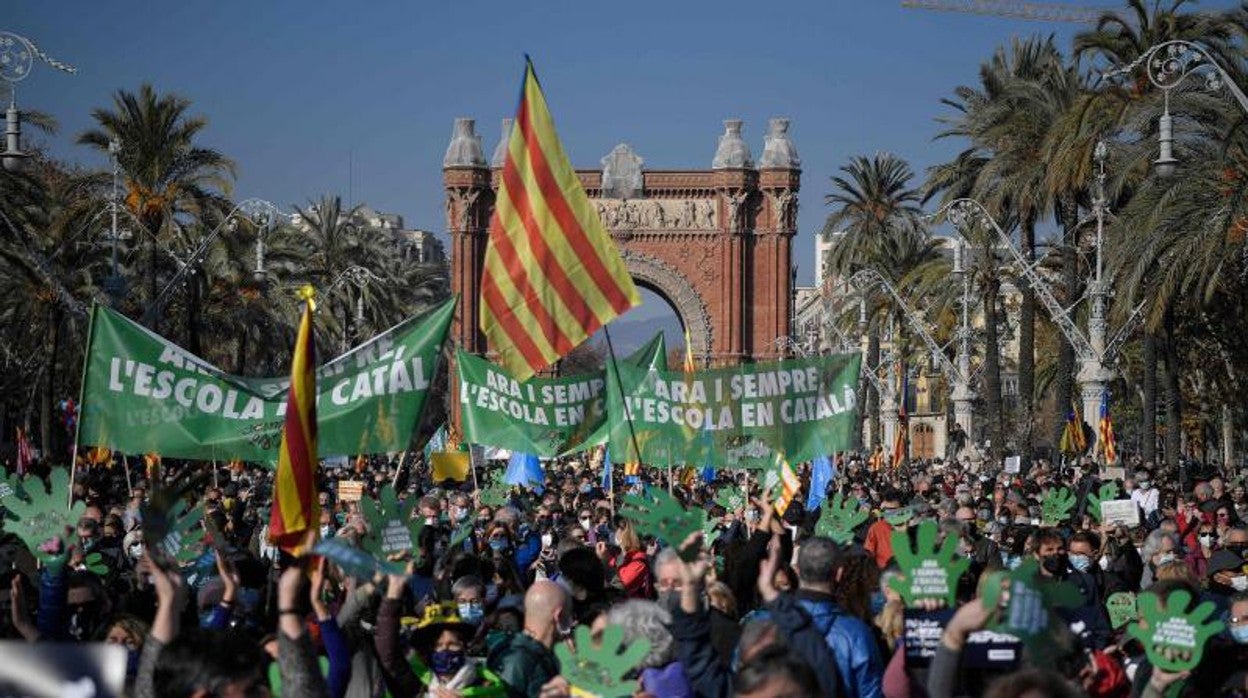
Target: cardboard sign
1120 512
1013 464
395 537
984 649
929 570
1173 638
350 491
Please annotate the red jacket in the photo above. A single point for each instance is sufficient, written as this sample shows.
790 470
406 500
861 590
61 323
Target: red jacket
634 572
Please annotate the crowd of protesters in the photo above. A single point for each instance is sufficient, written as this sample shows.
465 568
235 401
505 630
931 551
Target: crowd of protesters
767 609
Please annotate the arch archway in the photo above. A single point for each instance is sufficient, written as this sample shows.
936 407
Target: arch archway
679 293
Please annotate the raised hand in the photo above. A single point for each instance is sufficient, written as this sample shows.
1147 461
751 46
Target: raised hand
928 572
601 670
839 518
1174 638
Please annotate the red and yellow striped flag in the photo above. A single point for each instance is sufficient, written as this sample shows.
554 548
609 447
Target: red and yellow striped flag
553 276
295 505
789 484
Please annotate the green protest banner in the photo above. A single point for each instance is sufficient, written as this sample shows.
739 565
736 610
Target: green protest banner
143 394
798 407
545 416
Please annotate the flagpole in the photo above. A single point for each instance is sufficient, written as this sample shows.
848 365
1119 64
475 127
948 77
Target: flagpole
472 466
399 470
125 463
82 387
628 415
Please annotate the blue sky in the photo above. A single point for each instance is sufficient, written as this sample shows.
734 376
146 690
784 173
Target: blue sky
298 91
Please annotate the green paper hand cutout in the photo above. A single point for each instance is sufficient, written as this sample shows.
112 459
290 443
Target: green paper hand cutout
459 536
1057 505
1107 493
1028 615
177 533
494 494
94 562
839 518
41 515
600 671
1122 609
10 488
710 532
1173 638
660 515
732 501
391 529
928 572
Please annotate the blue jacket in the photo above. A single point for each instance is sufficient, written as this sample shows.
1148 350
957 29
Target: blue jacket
857 656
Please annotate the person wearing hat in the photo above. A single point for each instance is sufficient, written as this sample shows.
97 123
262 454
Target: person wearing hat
440 665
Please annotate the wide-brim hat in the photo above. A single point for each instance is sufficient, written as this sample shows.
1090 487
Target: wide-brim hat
438 617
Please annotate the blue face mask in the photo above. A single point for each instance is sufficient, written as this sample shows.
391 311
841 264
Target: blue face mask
877 602
446 662
471 613
1080 562
498 545
1012 561
1239 633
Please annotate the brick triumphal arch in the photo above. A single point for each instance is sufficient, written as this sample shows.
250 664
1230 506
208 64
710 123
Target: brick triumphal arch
715 243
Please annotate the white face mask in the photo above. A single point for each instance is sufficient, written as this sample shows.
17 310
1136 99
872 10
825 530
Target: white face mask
1104 562
547 540
1240 583
1164 558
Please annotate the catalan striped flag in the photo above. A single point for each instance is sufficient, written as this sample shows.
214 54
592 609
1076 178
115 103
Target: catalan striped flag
553 276
1106 443
151 468
1073 439
789 484
25 452
295 505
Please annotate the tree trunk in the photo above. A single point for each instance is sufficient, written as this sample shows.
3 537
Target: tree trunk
1174 396
192 319
1148 411
47 401
1027 346
240 354
872 406
992 367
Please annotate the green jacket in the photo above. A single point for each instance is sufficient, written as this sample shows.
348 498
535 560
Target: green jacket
523 665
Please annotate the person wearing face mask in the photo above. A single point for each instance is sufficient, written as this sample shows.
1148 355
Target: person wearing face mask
86 606
1050 551
524 661
127 631
440 664
1085 574
469 595
1146 497
1120 561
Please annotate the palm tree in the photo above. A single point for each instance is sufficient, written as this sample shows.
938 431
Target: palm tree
878 225
168 177
1117 41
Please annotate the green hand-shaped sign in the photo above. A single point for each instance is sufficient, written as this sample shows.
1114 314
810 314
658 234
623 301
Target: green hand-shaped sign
1174 638
176 533
1107 493
839 518
1122 609
928 572
732 501
41 515
1057 505
600 671
391 529
1027 616
459 535
94 563
494 494
660 515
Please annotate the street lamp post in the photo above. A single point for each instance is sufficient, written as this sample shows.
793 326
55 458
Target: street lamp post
115 284
963 397
17 57
250 207
1167 64
360 278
